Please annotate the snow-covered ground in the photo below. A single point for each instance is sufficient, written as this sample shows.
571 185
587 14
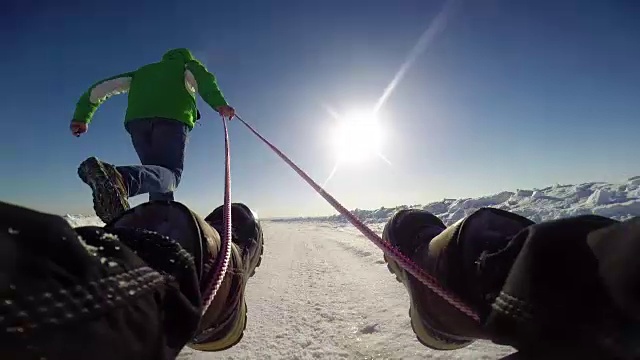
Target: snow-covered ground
323 290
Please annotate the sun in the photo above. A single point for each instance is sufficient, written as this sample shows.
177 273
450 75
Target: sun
357 137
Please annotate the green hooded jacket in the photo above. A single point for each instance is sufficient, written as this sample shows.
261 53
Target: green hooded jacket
164 89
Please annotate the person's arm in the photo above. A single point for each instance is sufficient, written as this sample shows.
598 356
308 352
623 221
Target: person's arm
99 92
205 84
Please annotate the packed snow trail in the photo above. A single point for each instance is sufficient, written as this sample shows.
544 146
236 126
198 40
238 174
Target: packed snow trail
324 292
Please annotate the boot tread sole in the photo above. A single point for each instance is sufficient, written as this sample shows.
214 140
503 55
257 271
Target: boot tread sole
107 201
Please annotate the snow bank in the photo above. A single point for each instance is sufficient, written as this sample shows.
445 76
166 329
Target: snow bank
82 220
618 201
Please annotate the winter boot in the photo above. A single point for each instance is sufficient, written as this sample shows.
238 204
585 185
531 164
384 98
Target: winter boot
224 322
110 194
246 233
457 257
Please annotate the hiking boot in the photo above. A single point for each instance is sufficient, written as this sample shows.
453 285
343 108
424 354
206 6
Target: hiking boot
462 258
246 233
411 231
110 194
223 324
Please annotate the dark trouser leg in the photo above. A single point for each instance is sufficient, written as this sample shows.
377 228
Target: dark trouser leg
169 141
160 144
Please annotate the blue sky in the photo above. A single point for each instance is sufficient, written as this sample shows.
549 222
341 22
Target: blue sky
511 94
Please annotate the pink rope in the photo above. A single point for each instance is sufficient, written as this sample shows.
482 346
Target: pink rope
213 277
387 248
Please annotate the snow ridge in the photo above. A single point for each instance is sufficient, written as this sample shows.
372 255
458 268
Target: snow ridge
618 201
83 220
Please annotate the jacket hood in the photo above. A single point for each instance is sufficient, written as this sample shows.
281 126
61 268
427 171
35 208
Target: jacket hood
181 54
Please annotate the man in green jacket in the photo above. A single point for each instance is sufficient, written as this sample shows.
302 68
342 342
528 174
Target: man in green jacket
161 112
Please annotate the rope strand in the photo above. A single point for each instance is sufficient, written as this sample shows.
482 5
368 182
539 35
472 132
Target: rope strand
387 248
214 277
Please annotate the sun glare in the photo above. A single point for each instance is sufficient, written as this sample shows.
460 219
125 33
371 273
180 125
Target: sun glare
357 137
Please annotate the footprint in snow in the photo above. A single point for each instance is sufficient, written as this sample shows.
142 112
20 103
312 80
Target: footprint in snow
369 329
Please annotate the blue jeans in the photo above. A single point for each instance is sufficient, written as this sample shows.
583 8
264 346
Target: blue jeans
160 144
